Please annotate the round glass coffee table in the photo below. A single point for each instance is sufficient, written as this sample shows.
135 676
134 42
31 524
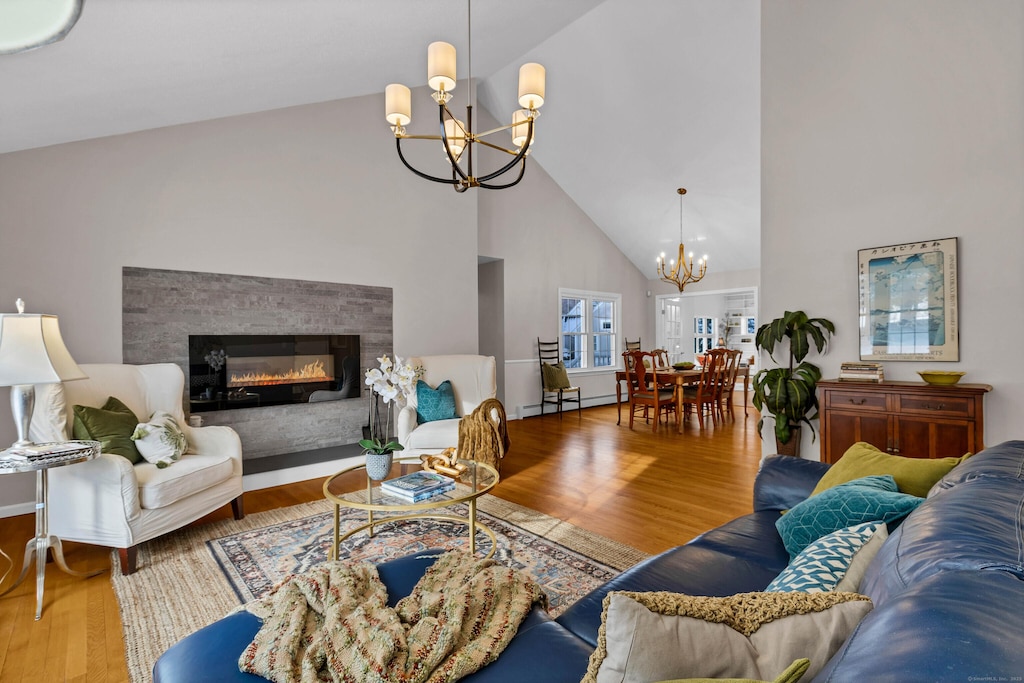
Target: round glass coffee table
351 488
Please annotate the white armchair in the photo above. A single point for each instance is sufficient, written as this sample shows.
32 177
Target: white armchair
111 502
473 380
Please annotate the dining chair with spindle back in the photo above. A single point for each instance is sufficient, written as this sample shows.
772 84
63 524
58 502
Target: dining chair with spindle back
646 390
728 385
705 392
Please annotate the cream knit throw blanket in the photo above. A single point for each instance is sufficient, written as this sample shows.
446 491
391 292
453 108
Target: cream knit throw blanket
332 623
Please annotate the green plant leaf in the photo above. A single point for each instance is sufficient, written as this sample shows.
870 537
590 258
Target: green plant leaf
788 393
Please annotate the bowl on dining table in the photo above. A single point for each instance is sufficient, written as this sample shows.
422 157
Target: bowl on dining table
685 365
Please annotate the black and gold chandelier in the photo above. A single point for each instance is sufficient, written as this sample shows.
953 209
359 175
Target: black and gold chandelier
681 273
457 136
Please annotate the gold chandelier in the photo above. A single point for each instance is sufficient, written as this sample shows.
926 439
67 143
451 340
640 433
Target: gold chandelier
457 137
680 273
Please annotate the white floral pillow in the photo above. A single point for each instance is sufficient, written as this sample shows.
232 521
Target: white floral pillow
160 441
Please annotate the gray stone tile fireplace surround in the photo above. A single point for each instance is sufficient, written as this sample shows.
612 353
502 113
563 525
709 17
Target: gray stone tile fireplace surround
160 308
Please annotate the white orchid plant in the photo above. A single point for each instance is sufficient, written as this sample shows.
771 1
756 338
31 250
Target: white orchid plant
392 381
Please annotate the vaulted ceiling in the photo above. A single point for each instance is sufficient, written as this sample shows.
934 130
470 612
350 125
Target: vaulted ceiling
643 96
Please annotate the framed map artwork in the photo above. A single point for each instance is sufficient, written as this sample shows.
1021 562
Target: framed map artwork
908 302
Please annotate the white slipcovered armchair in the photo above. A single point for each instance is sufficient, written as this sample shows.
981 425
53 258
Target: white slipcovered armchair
111 502
473 380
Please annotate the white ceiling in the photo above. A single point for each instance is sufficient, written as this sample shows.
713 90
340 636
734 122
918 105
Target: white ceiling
643 96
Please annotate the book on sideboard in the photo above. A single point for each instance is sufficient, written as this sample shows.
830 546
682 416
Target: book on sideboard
861 372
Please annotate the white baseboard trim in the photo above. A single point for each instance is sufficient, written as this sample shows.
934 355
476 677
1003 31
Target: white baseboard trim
318 470
28 507
533 409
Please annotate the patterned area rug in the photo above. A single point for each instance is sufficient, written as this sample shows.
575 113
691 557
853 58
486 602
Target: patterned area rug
195 576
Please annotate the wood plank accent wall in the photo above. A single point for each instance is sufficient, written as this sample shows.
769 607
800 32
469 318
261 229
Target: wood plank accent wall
160 308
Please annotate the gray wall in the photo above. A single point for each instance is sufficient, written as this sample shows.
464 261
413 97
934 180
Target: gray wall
312 193
546 241
888 122
308 193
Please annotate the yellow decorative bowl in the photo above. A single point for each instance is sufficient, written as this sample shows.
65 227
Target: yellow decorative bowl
941 376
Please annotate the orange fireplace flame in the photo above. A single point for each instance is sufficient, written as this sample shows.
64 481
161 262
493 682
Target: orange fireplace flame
311 372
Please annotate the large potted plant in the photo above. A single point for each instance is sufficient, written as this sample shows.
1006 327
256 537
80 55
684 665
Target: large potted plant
788 392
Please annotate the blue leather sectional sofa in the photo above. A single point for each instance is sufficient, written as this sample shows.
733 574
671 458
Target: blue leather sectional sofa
947 586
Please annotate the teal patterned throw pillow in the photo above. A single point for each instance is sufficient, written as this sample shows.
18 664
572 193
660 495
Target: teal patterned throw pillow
434 404
822 565
867 499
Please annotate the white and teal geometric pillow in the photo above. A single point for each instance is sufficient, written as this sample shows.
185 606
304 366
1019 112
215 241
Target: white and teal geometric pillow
820 567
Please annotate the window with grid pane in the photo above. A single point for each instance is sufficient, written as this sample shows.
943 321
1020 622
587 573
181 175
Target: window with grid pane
589 325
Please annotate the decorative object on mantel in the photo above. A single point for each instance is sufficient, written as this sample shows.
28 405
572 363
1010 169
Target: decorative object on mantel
31 352
29 24
392 381
457 137
941 377
681 273
908 301
788 393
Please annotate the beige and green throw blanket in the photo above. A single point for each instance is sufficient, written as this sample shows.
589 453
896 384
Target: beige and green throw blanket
333 623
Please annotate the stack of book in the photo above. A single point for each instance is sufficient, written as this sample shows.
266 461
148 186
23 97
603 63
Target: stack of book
36 452
862 372
417 486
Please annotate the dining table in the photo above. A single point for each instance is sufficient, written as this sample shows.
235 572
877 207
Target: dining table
681 378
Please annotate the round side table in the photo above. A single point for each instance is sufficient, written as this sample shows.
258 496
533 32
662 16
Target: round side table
42 458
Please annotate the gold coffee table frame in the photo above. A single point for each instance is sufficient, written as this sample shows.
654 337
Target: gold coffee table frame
351 488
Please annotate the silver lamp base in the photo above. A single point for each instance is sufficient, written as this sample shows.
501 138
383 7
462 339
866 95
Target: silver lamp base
23 402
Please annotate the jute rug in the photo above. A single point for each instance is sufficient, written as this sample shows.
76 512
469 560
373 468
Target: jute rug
192 577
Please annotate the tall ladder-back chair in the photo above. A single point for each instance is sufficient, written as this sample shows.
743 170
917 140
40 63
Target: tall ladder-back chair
555 386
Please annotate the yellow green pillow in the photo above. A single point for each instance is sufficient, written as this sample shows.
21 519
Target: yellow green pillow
112 425
793 673
915 476
555 376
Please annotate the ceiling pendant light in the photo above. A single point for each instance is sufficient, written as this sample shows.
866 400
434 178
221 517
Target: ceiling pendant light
680 273
456 136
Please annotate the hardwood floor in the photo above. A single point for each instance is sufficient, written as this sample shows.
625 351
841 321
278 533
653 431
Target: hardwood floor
650 490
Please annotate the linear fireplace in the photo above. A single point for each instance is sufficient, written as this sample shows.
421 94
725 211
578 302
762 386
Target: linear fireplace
249 371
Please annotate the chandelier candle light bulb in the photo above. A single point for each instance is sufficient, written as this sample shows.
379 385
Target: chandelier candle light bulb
441 66
531 86
398 103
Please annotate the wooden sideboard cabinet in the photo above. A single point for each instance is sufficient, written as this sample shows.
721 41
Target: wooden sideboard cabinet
912 419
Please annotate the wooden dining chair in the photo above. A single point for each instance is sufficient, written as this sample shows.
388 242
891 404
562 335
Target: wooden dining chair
705 393
631 346
644 389
728 384
660 359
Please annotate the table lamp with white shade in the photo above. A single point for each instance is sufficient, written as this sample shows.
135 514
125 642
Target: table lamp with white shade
31 352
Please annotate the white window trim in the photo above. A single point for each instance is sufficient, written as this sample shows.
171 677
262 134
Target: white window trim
589 295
